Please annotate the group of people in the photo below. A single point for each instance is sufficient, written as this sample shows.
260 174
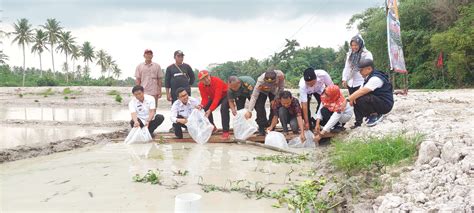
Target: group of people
370 96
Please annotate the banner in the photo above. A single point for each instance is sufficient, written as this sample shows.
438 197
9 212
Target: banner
394 38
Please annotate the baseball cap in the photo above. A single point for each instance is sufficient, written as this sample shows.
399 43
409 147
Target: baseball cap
309 74
148 51
178 52
366 63
202 74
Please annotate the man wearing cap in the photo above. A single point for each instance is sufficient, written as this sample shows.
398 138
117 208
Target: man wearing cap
240 89
375 97
332 114
269 84
214 93
149 75
311 84
178 75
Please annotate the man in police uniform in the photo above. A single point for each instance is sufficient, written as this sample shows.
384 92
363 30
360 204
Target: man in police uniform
240 89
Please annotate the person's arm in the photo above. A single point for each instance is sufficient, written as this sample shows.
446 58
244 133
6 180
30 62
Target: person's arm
231 100
273 124
168 83
160 80
220 86
133 114
151 115
304 103
301 125
346 71
192 78
204 97
138 76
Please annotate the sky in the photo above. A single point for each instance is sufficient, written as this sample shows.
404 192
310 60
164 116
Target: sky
207 31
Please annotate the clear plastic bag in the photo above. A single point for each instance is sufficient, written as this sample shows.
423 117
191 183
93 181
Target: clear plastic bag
199 126
243 128
276 139
308 143
138 135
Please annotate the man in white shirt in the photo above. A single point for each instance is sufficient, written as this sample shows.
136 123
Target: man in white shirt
311 84
181 109
375 97
142 108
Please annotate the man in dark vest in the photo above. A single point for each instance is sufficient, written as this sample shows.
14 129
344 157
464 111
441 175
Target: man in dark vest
375 98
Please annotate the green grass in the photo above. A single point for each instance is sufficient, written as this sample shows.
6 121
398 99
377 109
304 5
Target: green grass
47 92
68 91
118 98
113 92
281 158
361 154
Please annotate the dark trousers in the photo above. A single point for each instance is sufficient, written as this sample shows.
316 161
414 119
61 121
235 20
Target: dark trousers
224 103
240 102
157 120
358 119
312 122
178 131
262 120
369 104
286 118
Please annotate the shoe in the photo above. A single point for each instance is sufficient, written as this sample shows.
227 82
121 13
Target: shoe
214 131
356 125
337 129
374 120
261 132
225 136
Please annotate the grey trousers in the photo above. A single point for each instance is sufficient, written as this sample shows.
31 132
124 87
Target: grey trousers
286 118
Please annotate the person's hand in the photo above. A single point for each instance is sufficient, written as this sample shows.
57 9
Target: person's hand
306 126
317 138
168 97
269 129
199 107
136 124
344 84
317 130
352 102
234 112
183 120
303 138
248 115
208 112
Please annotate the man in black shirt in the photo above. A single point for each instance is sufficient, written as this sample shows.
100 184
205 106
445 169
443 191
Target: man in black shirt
178 75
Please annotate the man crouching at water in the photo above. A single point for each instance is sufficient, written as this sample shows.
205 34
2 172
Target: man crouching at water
143 110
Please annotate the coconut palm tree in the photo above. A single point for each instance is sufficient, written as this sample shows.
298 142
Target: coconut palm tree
102 61
52 29
87 52
39 45
66 44
78 71
23 37
116 70
75 54
110 63
3 57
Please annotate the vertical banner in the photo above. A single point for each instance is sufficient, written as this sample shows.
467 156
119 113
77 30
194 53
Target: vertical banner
394 38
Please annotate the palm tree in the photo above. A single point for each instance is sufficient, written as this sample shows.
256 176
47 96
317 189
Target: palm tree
23 36
40 45
116 70
87 52
78 71
52 29
102 61
3 57
66 44
110 64
75 54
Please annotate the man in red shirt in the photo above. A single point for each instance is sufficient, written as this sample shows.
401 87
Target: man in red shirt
214 93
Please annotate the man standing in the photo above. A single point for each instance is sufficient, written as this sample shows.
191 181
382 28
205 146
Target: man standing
312 83
214 93
149 75
181 109
288 110
375 97
240 89
178 75
269 85
142 108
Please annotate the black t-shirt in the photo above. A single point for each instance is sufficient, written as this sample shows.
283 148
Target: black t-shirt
174 78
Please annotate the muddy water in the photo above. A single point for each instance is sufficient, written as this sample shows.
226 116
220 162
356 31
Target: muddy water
15 136
99 178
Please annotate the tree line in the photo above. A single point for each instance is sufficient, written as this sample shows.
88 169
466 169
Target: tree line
53 37
430 29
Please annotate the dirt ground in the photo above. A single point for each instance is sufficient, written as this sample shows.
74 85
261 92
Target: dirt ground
441 179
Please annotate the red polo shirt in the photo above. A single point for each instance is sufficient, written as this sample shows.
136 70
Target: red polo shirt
213 92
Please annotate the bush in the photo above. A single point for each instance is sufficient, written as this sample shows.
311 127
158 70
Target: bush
46 81
113 92
118 98
360 154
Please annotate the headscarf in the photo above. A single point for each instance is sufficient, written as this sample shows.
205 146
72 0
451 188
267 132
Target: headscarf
333 99
354 58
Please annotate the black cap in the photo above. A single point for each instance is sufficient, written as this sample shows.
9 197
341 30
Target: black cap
178 52
366 63
309 74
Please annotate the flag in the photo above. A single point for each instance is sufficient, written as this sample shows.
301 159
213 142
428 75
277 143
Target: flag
439 64
394 38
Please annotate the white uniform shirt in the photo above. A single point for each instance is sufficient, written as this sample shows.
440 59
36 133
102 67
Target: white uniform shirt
353 78
322 81
142 108
373 83
178 108
341 117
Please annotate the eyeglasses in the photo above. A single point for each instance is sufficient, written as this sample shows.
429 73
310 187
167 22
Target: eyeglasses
269 80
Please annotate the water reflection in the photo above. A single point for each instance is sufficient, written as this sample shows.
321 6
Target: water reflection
64 114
